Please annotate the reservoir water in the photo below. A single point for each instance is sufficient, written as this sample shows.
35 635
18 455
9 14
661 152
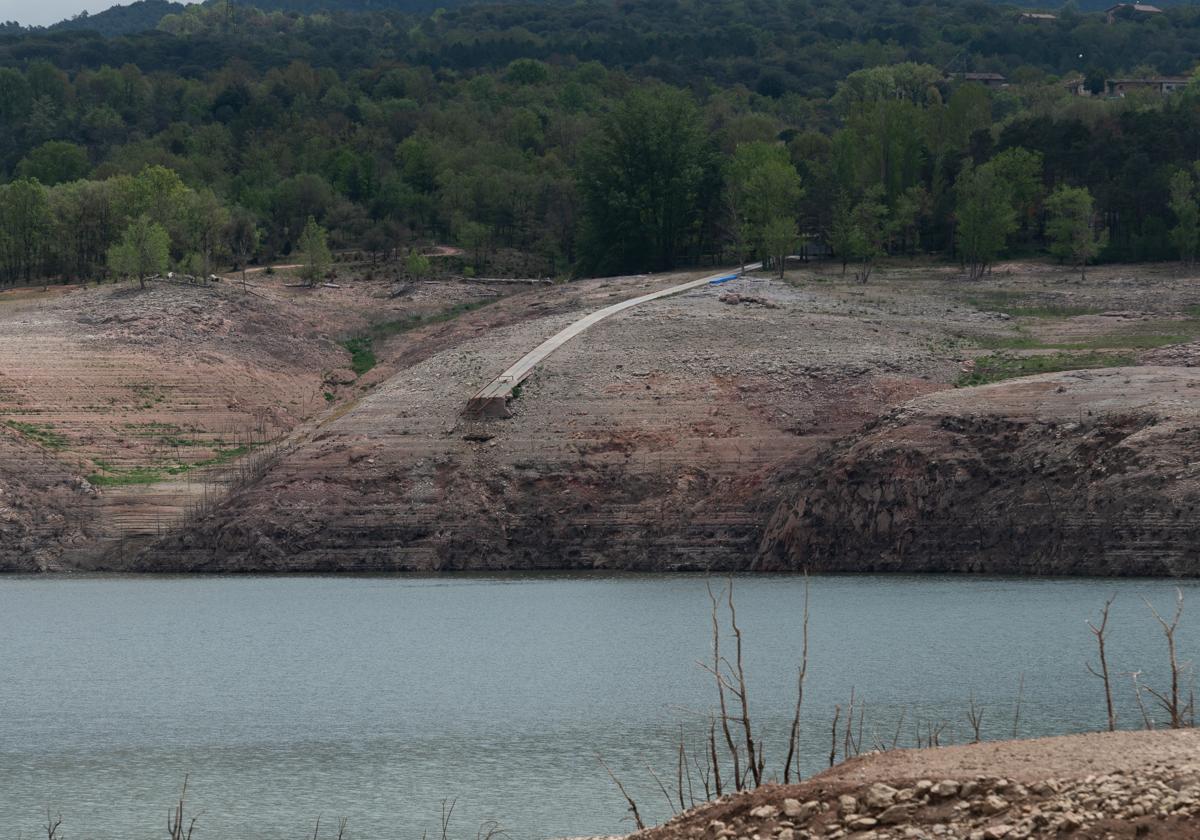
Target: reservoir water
376 698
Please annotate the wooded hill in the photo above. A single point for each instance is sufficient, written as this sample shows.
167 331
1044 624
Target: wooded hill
604 136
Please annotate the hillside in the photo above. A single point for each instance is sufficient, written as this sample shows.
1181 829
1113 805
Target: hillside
143 15
122 19
124 410
729 427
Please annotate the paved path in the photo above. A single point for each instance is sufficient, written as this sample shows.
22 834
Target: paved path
491 401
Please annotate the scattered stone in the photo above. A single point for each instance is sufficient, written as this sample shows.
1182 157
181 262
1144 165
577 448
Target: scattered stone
994 804
945 789
879 796
894 814
862 823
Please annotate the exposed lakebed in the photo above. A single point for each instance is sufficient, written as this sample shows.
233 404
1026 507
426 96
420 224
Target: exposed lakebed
375 698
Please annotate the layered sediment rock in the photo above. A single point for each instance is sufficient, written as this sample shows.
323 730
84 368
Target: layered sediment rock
1082 472
45 511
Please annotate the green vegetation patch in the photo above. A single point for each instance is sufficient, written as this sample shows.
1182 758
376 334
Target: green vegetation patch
122 478
362 353
110 476
999 367
43 435
1144 336
1021 305
362 348
388 329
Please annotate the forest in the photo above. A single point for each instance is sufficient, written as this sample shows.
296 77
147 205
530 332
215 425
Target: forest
597 137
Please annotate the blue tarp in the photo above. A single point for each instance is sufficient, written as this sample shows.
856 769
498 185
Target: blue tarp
720 280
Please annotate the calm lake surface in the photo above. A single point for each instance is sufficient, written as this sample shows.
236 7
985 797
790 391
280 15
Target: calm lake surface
375 698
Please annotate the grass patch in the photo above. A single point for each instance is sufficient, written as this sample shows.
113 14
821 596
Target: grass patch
362 353
1023 341
1144 338
123 478
1020 305
222 456
387 329
362 348
110 476
999 367
44 435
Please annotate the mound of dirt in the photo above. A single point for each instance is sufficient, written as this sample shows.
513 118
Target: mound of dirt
1081 472
1104 785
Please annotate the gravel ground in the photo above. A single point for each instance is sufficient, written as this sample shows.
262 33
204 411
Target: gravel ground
1103 785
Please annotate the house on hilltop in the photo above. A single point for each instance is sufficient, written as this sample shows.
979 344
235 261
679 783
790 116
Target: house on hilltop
1161 85
1132 10
1035 17
992 80
1076 86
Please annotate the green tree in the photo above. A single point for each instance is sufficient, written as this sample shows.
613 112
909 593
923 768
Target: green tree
143 251
1021 170
910 82
985 216
910 210
25 224
55 162
204 221
883 143
1072 228
315 248
859 231
244 238
871 231
1186 233
417 264
779 239
842 234
477 240
643 179
761 187
528 71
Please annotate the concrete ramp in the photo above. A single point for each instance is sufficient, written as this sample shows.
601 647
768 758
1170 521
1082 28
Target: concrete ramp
492 400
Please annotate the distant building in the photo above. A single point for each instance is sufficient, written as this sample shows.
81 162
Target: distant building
1076 86
1132 10
992 80
1035 17
1161 85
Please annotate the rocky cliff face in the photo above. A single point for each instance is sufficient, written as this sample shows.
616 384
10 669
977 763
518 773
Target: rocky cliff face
45 510
1083 472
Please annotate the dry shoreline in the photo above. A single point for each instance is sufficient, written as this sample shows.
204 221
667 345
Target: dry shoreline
765 425
1100 785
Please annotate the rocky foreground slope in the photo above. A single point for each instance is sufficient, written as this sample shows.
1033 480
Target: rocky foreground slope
1105 785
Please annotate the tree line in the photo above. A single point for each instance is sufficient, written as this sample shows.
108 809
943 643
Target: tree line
489 127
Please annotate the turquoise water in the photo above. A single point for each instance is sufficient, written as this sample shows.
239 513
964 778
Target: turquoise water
375 698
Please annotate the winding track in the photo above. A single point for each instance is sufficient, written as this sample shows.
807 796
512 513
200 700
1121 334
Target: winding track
491 401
